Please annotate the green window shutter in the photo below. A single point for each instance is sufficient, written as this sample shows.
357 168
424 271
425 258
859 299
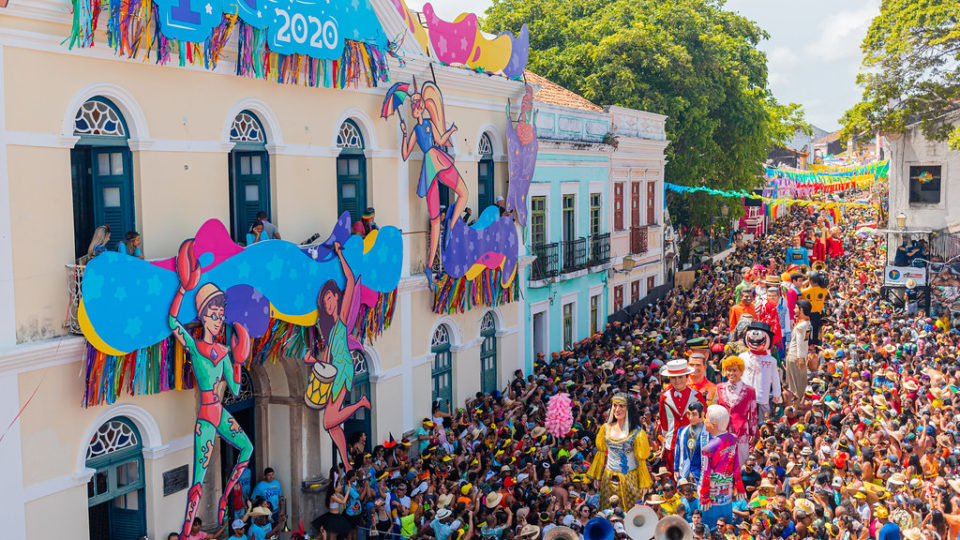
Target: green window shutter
113 191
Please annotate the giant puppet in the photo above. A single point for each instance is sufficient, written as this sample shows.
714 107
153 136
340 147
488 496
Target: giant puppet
211 299
622 451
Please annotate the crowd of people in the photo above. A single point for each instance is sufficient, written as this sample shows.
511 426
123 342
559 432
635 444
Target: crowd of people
766 401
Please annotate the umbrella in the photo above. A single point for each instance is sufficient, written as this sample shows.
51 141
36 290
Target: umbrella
395 96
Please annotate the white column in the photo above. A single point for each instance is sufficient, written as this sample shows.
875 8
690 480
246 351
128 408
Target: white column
12 497
8 322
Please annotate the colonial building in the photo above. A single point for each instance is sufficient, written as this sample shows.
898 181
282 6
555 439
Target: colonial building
93 138
593 256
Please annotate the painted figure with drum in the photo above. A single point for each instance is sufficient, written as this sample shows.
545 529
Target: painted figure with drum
331 378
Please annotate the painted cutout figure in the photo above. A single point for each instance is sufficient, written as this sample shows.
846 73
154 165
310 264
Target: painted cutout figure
430 133
211 362
331 378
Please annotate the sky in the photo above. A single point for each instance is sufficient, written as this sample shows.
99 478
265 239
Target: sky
813 51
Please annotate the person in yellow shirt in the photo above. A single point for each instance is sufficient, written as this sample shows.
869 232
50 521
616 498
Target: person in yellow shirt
816 293
672 501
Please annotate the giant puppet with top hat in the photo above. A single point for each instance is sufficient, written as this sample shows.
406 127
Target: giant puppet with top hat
760 368
622 451
673 405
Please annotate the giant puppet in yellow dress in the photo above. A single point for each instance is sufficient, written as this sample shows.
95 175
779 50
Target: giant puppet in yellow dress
621 461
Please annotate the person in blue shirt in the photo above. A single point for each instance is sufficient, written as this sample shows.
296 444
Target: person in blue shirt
797 254
441 525
131 245
268 488
259 528
98 244
889 530
256 233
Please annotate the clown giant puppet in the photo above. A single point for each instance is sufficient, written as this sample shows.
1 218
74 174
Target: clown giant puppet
673 405
760 369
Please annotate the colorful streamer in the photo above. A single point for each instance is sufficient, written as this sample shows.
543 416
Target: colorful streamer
459 295
768 200
144 372
133 32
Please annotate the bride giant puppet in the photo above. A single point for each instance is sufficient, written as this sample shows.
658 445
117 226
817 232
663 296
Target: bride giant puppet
622 451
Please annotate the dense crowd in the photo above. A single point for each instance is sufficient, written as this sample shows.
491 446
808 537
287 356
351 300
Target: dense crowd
854 434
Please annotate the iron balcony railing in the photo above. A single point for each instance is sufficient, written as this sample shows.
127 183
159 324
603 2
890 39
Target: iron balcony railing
574 254
547 263
599 249
638 239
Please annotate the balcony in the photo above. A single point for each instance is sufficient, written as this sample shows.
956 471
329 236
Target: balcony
74 279
547 264
599 249
574 254
638 239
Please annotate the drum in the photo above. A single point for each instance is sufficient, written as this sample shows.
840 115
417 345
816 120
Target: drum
318 385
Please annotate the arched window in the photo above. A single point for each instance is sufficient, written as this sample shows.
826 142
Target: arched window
488 353
115 493
485 174
249 175
442 372
362 420
101 174
351 171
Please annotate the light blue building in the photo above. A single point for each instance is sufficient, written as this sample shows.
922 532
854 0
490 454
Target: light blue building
568 232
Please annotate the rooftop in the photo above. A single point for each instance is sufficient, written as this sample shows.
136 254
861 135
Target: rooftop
553 94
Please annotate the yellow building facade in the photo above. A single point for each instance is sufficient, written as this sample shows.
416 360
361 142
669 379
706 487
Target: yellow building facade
178 147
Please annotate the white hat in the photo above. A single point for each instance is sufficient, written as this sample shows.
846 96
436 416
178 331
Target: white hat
238 524
676 368
444 513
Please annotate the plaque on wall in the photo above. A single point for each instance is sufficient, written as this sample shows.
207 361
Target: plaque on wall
175 480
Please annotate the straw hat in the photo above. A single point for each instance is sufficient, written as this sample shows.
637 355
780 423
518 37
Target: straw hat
493 499
529 532
444 500
538 432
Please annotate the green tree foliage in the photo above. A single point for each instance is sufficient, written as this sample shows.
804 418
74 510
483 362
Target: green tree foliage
688 59
910 70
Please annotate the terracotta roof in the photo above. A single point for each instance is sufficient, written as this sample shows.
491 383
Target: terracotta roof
828 138
554 94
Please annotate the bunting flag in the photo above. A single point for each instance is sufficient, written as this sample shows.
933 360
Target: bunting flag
769 200
826 179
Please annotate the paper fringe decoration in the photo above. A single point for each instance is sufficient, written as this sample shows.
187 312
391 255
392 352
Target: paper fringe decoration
360 63
166 366
559 418
133 32
459 295
152 370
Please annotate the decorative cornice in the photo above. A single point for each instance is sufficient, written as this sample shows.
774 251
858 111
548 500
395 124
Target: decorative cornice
43 140
41 354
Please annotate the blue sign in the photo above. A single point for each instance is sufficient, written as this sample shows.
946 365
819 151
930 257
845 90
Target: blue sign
315 28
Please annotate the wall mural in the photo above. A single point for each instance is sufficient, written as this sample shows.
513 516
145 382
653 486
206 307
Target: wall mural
479 260
217 306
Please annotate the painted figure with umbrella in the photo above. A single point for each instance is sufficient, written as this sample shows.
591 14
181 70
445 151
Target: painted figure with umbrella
430 133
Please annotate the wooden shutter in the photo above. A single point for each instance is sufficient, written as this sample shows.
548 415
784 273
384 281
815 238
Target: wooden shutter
485 195
651 202
618 298
635 291
250 187
618 206
635 204
113 191
351 185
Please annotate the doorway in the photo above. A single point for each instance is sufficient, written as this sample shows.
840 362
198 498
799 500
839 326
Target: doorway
115 493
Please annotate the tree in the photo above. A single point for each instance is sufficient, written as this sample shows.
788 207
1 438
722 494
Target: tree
688 59
909 71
